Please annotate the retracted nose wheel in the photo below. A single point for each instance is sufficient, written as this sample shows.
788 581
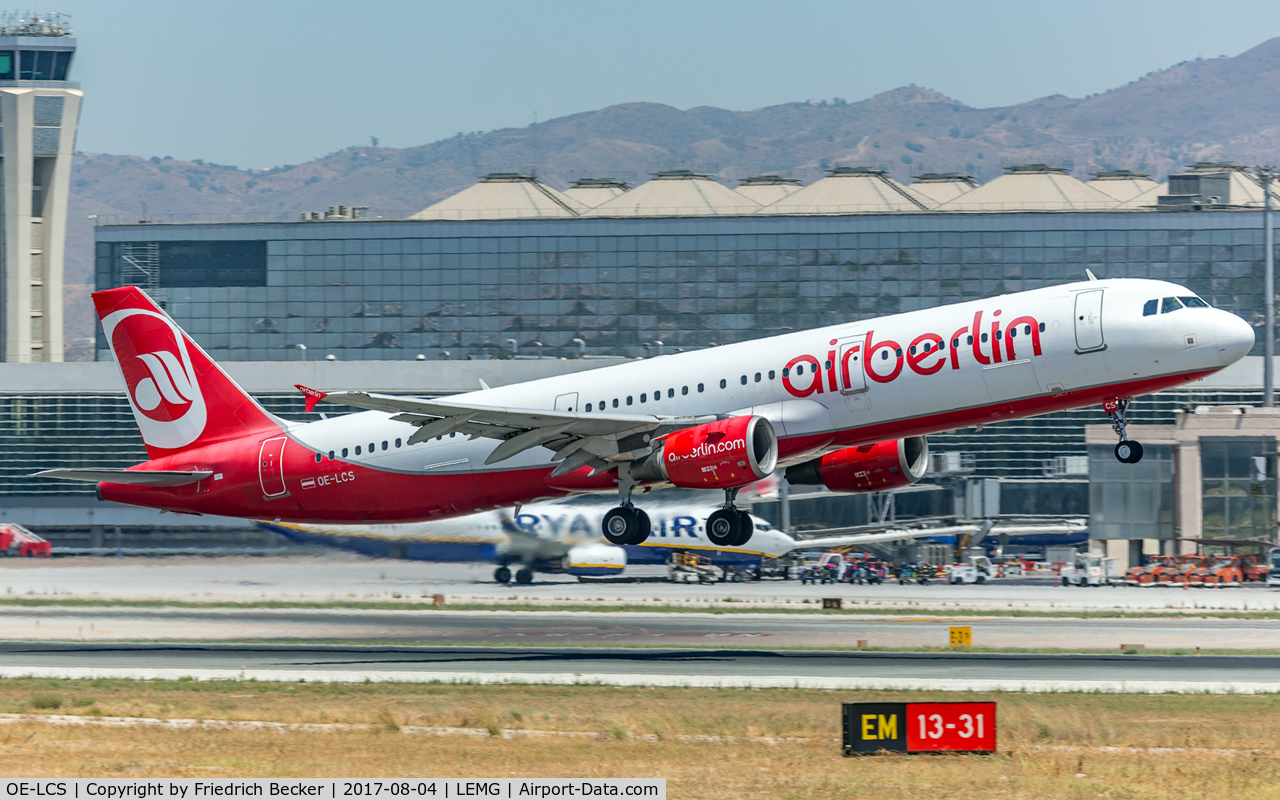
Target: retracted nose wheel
1129 452
723 527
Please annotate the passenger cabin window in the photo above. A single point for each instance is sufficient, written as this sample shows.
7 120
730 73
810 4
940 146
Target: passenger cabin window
672 392
357 449
643 397
330 455
318 457
723 383
344 452
588 408
384 444
1149 308
1193 302
744 380
628 399
699 387
684 390
772 375
1169 304
397 442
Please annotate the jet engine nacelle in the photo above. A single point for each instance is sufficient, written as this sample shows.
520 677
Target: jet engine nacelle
594 560
870 468
719 455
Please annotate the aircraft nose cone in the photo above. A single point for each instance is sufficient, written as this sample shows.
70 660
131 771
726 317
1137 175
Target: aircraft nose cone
1235 338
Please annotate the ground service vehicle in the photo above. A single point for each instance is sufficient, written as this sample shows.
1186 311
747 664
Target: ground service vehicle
1091 569
846 406
1273 568
978 570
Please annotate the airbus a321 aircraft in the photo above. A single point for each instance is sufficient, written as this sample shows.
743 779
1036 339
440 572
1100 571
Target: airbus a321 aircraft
845 406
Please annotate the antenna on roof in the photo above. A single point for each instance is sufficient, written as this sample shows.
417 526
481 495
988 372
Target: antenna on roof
1089 272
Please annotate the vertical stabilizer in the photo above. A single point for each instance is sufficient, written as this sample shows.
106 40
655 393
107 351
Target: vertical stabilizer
180 397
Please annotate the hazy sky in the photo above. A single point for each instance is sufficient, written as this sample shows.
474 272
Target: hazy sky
271 82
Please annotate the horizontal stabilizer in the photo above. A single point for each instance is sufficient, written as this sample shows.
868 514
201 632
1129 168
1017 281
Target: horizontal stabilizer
133 477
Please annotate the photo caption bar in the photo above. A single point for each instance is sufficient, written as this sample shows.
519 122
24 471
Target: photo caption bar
333 789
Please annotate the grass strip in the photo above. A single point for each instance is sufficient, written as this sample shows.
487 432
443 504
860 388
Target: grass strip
709 744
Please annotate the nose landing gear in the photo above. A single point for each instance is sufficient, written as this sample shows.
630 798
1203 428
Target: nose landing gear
729 526
626 524
1127 452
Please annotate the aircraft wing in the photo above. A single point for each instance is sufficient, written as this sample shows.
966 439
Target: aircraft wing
854 539
133 477
595 440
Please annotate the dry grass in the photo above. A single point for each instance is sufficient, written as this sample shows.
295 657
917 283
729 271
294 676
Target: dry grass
1046 741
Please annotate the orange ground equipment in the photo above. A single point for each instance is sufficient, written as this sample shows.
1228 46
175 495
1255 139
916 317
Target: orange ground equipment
1148 575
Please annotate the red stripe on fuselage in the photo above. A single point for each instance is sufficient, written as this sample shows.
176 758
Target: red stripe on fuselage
346 492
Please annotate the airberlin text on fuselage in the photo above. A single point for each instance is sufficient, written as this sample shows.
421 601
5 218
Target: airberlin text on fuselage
926 354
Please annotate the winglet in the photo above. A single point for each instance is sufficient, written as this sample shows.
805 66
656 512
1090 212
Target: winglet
313 395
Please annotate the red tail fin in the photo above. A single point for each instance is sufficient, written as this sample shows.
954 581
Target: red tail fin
179 396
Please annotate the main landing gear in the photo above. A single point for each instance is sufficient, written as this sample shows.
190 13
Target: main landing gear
524 575
1127 452
626 524
729 526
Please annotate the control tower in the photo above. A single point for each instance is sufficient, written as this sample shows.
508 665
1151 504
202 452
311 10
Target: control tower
39 111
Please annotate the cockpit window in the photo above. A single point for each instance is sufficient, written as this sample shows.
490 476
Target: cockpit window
1170 304
1149 308
1193 302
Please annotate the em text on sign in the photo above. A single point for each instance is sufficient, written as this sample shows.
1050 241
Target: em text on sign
919 728
960 637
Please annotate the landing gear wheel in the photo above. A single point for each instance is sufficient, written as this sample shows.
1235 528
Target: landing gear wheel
642 532
502 575
1128 452
746 526
723 526
621 525
524 576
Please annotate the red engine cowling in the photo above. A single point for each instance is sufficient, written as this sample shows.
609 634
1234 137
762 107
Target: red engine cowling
719 455
870 468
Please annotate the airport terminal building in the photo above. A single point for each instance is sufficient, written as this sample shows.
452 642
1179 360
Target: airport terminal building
512 270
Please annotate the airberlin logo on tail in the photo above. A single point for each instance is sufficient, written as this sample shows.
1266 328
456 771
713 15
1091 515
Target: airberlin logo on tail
158 375
883 361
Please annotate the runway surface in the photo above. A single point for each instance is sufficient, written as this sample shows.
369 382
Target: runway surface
543 628
340 577
647 667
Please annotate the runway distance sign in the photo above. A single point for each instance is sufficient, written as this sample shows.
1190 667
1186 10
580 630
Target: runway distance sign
919 728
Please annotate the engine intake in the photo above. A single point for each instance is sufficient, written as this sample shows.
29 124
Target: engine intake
719 455
869 468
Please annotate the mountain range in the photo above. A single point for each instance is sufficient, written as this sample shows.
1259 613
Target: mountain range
1206 109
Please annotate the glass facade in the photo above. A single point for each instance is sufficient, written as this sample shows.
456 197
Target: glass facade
1131 501
1239 487
381 289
